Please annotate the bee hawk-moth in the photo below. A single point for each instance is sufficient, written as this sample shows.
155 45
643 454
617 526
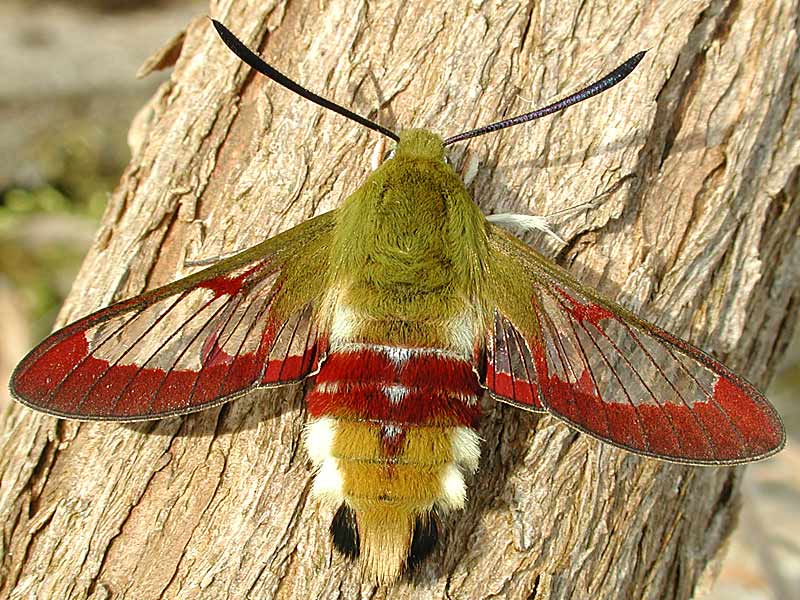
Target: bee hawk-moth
405 304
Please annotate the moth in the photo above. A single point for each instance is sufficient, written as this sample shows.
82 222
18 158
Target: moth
405 304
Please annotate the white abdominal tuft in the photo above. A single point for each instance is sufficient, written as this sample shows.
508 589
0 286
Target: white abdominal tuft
328 482
453 489
318 437
466 447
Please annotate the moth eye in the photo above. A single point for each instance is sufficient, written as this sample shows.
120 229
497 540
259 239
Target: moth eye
447 160
388 155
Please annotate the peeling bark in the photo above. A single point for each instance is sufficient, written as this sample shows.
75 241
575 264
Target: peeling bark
703 241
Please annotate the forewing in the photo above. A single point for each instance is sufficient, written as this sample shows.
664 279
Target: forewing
248 321
615 376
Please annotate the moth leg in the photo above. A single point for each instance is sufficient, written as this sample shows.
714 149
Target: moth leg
593 202
519 222
544 223
378 154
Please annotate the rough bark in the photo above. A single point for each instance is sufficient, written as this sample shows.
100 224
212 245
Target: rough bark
702 241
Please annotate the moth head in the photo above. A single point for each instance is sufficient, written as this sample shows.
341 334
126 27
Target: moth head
420 144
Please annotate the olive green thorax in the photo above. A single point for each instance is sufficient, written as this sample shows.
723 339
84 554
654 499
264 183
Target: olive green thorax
410 247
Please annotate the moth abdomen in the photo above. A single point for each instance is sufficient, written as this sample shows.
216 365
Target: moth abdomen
393 436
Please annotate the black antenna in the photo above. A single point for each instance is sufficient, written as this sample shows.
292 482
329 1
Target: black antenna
610 80
252 59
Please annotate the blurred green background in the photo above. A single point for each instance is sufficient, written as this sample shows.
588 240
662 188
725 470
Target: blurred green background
68 98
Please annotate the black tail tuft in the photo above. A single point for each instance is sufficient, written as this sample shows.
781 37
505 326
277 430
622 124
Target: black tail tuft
426 534
345 531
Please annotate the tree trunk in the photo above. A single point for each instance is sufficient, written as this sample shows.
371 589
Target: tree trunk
702 240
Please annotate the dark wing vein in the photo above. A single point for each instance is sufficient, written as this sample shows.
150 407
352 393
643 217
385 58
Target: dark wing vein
234 302
125 323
